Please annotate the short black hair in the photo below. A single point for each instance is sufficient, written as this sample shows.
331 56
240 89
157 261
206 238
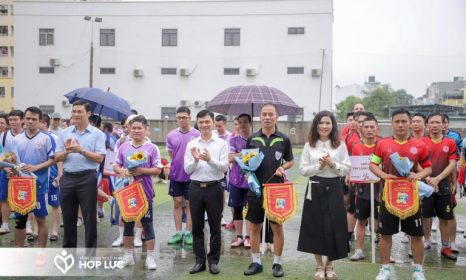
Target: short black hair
244 115
45 118
446 118
435 114
270 105
183 109
16 113
422 116
107 126
220 118
401 112
204 113
34 110
87 105
5 116
370 118
139 118
363 113
350 114
95 120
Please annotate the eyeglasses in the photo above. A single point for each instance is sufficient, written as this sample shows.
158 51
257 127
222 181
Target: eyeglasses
182 118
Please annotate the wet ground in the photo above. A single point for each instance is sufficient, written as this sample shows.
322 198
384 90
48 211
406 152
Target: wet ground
174 262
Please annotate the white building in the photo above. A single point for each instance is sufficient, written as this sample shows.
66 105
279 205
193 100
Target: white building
161 54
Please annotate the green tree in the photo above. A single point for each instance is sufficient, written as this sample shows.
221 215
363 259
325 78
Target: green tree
402 97
346 106
378 99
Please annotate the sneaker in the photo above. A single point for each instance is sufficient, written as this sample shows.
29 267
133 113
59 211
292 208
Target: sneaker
454 248
434 226
4 230
418 274
247 243
253 268
405 239
427 245
277 270
230 226
127 260
448 254
176 238
237 243
223 222
459 230
385 274
29 229
358 255
137 242
118 242
188 239
80 222
150 262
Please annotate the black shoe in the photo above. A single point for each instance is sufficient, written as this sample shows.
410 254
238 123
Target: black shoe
277 270
198 267
214 269
253 268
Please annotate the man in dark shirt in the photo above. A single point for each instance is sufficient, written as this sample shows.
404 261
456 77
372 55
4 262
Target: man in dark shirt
276 148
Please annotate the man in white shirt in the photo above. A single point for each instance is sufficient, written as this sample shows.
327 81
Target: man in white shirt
206 160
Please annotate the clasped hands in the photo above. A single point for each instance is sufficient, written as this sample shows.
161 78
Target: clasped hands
198 155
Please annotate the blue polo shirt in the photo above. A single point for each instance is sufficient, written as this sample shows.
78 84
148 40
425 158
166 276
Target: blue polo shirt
36 150
91 139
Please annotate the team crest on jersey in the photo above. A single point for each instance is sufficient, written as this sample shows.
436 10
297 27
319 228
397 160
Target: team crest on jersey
413 150
278 155
446 149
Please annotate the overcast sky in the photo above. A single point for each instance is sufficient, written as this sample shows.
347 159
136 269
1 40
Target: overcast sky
406 43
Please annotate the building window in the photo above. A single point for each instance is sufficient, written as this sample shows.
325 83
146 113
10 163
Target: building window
46 36
12 51
2 91
4 72
295 30
107 37
107 70
46 70
3 51
168 71
169 37
4 30
3 10
295 70
230 71
232 36
47 109
12 92
168 113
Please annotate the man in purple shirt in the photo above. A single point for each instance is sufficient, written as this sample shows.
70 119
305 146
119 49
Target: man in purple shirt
177 140
152 167
238 183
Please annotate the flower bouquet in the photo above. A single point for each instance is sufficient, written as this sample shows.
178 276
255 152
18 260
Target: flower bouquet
403 166
132 161
249 161
10 160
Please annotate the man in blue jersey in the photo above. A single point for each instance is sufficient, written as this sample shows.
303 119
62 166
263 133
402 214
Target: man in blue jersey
35 151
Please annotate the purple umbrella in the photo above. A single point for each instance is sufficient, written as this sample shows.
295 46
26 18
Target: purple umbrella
249 99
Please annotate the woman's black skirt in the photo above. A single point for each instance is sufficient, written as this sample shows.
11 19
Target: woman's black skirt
324 228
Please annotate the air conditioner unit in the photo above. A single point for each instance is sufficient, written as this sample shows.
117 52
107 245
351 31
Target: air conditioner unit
251 72
185 72
199 103
316 72
54 62
65 103
138 73
185 103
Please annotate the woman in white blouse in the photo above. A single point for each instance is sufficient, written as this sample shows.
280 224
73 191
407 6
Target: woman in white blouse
323 226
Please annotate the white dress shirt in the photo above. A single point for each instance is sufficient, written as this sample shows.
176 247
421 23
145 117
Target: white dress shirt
207 171
310 166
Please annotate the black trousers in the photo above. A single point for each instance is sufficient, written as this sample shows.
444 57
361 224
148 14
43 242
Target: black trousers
210 200
79 190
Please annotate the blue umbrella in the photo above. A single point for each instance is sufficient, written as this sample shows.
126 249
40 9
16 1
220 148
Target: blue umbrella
102 102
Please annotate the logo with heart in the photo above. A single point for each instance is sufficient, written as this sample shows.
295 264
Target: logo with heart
64 262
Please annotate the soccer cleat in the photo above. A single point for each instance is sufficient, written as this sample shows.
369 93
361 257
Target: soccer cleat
188 239
118 242
150 262
247 243
447 253
418 274
358 255
176 238
237 243
385 273
454 248
127 260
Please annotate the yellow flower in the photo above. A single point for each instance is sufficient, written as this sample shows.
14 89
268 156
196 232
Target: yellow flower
137 156
248 156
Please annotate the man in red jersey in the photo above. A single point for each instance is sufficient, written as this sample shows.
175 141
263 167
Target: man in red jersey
418 126
356 108
362 210
443 150
416 151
